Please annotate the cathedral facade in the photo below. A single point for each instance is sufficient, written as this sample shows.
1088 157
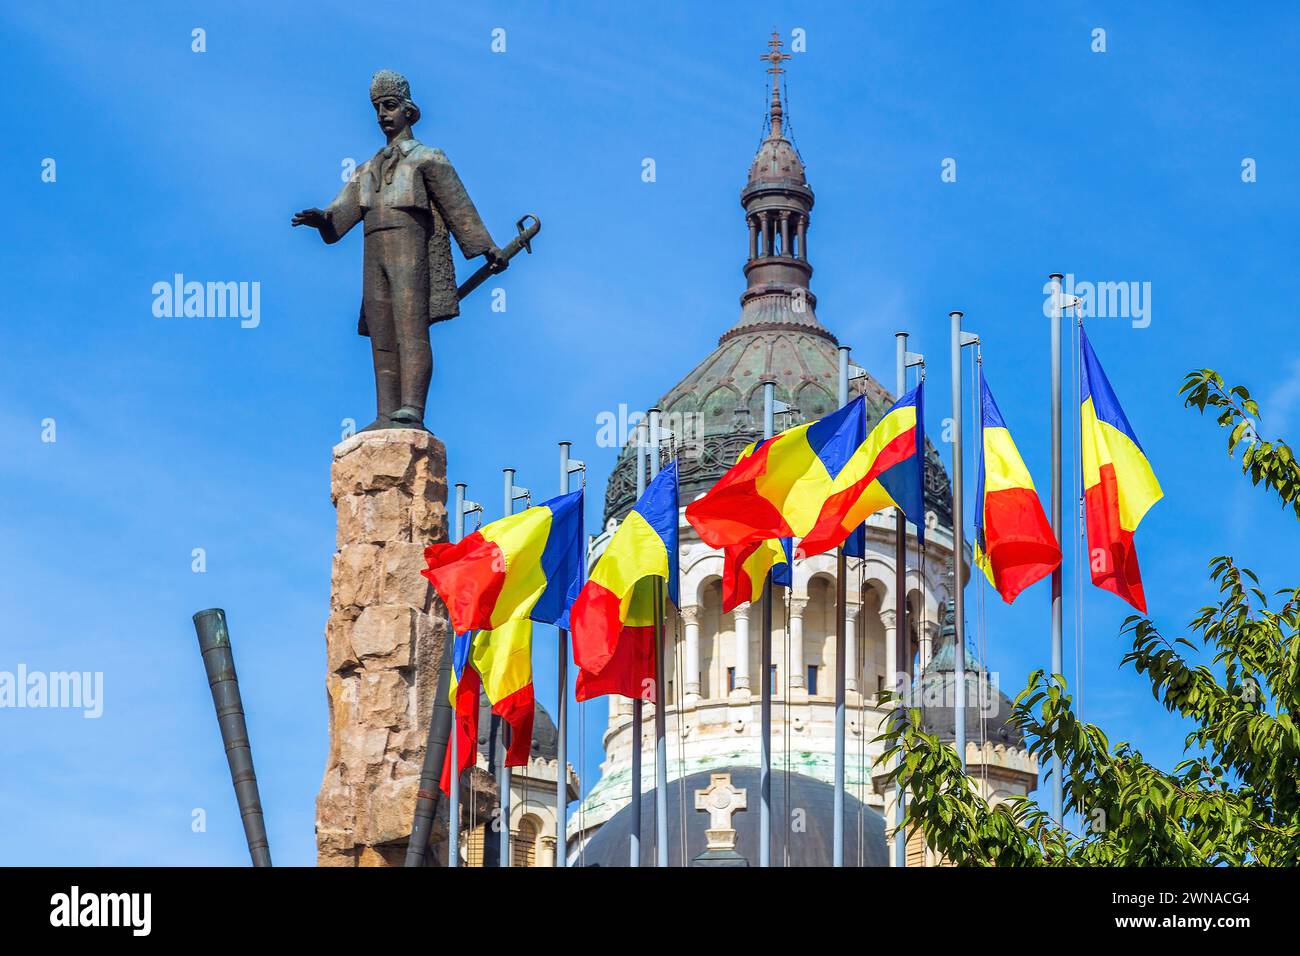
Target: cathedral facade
713 671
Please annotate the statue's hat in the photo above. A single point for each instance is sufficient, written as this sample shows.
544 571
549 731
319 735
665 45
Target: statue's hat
391 83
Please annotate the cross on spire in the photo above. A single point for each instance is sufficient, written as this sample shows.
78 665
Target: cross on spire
775 57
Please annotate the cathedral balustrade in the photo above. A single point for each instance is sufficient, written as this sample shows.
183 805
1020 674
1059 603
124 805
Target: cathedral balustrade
729 728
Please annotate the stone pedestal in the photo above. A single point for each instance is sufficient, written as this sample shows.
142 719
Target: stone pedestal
384 637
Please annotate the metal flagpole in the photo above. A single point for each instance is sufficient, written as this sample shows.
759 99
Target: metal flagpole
503 772
510 491
492 834
1057 609
900 601
562 705
960 340
661 686
901 643
567 467
841 628
453 795
765 695
635 842
463 508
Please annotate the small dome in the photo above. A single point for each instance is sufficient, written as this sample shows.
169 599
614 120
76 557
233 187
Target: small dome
811 847
545 735
546 738
777 163
988 711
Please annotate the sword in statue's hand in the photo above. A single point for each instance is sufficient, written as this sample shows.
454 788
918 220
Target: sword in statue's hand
527 227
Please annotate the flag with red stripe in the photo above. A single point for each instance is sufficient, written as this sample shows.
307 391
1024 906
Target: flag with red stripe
1014 542
1119 486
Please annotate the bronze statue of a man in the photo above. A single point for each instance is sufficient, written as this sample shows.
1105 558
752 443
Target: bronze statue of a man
409 198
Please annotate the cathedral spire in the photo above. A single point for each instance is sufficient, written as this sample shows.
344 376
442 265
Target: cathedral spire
775 57
777 203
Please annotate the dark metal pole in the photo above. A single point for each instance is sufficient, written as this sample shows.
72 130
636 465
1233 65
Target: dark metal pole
492 833
435 753
219 662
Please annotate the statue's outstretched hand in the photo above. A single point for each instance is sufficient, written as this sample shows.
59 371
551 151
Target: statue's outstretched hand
496 259
316 218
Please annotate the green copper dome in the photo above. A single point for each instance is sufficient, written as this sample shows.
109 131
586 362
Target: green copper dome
717 408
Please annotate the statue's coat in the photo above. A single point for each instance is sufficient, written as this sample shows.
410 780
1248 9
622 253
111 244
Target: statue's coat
422 178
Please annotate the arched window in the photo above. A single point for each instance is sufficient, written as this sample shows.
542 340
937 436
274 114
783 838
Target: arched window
819 630
872 653
474 840
523 843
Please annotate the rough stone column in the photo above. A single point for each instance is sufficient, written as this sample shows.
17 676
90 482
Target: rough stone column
383 640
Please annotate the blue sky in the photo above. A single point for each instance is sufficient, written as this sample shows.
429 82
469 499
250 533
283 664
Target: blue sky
177 433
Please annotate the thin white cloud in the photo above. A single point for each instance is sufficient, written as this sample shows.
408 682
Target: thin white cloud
1283 401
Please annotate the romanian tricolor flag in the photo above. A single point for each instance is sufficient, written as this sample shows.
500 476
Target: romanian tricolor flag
503 658
819 481
1014 543
614 615
1118 483
631 670
745 568
465 685
525 567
